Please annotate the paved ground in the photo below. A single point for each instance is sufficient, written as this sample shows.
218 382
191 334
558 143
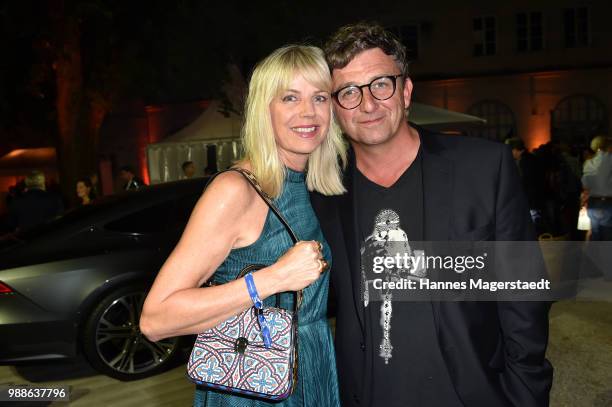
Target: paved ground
580 349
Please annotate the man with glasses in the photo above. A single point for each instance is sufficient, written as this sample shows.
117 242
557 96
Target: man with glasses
434 188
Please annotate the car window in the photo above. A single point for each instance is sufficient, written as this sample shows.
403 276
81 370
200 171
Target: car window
182 210
167 216
153 219
72 216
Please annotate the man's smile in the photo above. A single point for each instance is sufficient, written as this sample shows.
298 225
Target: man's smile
371 121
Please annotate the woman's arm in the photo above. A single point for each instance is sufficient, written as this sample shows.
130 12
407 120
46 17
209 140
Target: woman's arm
229 214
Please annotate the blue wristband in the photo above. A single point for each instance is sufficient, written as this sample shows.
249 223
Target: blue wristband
265 330
253 291
263 324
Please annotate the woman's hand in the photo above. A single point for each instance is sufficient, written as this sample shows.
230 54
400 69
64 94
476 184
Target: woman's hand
300 266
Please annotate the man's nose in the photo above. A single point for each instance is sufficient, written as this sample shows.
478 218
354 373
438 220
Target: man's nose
368 102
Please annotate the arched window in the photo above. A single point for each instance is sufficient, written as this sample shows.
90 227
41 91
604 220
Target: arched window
577 119
500 120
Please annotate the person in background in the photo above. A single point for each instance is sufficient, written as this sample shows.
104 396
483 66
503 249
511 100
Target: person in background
95 184
518 148
132 182
15 191
84 190
559 188
597 181
208 171
532 178
35 205
189 169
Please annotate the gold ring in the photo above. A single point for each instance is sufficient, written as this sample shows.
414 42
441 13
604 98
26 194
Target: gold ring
324 265
319 246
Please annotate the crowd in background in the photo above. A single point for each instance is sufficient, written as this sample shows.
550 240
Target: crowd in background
553 179
31 202
551 176
35 199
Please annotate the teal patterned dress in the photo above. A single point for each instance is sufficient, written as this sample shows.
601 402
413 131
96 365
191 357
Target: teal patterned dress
317 383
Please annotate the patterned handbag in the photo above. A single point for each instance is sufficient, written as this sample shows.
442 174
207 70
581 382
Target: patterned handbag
232 358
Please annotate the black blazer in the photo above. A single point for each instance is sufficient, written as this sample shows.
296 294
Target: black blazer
494 352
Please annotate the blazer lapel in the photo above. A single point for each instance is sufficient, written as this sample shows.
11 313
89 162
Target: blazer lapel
348 219
437 190
437 203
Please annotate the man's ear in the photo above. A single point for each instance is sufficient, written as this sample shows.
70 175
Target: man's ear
407 94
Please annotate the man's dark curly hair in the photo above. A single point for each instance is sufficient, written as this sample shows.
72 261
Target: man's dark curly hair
353 39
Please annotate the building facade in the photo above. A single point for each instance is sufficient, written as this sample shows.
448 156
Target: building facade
538 70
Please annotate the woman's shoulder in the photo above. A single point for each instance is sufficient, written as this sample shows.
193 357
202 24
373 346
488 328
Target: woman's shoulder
231 189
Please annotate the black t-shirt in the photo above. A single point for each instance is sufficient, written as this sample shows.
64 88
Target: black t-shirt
415 373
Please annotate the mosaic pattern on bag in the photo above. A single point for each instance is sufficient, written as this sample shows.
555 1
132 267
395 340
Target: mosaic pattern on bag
222 359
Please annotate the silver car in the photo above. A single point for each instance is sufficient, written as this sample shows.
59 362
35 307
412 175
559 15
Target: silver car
76 285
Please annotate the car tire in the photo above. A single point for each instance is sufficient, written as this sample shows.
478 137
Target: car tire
113 343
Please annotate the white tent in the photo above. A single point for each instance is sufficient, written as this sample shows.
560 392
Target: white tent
213 128
431 116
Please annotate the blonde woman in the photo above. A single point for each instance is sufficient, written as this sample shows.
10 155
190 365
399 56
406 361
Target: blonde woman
291 145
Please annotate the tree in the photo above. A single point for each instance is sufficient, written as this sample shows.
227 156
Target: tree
72 61
84 56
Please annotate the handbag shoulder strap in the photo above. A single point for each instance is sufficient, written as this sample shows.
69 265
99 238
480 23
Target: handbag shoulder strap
253 181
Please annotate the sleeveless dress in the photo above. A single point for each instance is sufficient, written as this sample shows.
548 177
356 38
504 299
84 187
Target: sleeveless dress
317 383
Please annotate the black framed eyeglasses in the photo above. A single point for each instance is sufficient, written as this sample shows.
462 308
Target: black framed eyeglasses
381 88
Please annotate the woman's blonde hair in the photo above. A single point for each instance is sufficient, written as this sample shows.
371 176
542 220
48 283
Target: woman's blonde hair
272 76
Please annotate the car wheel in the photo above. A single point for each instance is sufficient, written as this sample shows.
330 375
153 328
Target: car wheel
113 343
